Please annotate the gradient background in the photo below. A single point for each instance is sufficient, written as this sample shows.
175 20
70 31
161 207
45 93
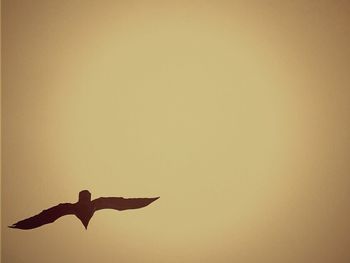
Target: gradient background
236 113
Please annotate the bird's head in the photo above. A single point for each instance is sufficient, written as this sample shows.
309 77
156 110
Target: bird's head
84 196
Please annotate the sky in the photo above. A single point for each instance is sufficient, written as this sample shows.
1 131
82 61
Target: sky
235 113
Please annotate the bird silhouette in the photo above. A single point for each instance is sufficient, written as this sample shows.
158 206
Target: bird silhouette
84 209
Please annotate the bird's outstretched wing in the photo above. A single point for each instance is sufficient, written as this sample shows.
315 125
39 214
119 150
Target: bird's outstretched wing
45 217
120 203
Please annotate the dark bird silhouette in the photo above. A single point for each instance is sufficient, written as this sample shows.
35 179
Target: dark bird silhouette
84 209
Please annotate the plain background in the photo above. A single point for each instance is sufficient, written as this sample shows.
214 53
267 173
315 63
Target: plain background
235 113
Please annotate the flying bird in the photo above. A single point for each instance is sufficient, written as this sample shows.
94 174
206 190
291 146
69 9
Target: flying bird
84 209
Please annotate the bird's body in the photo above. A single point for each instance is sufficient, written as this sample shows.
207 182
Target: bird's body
84 209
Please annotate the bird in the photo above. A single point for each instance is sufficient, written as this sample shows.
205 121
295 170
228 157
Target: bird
83 209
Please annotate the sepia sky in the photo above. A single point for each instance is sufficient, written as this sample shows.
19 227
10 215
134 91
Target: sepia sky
235 113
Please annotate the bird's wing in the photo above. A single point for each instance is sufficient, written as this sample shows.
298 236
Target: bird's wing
120 203
45 217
